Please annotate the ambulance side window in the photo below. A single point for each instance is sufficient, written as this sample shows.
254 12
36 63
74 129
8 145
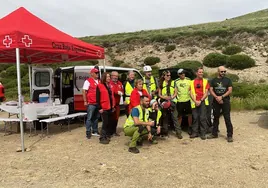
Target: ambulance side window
42 79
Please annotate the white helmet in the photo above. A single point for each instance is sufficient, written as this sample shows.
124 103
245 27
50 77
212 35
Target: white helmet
147 68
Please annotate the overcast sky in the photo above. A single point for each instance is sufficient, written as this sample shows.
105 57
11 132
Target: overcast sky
87 17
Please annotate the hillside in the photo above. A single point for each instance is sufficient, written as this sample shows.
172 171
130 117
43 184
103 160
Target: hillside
192 42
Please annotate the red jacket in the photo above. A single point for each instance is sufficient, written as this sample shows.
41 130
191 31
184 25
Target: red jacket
117 86
91 92
105 98
135 98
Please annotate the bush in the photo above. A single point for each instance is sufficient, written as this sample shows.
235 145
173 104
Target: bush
261 33
231 76
170 48
117 63
231 50
190 64
126 65
155 70
159 38
220 42
151 60
240 62
214 60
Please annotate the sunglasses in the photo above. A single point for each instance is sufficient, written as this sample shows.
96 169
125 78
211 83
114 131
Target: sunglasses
223 71
168 75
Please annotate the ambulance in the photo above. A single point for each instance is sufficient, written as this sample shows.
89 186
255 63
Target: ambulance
65 83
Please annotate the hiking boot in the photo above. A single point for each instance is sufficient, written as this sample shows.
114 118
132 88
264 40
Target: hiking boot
193 135
133 150
203 137
95 134
116 134
153 142
179 135
230 139
212 136
88 136
104 141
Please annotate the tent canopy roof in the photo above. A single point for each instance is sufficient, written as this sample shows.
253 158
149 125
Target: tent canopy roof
40 42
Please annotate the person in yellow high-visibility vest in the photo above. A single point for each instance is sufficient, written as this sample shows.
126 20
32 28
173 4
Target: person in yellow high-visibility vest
199 92
168 94
128 88
149 82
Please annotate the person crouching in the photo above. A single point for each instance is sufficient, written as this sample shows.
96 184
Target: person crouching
106 103
137 125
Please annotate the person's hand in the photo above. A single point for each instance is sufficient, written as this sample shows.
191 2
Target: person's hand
151 123
197 103
101 111
113 109
167 97
158 130
120 93
218 98
150 136
85 103
220 102
125 103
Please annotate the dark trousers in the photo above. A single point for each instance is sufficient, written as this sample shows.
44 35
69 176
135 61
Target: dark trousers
199 119
170 116
106 119
114 120
226 108
127 110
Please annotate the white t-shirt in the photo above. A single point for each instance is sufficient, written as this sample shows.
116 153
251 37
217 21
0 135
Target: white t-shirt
140 92
87 84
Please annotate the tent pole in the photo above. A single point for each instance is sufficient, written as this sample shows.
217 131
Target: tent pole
30 80
20 98
104 69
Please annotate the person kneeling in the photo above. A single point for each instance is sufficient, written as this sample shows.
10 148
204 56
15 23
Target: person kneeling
137 124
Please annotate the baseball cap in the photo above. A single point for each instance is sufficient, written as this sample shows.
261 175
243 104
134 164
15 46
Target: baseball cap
94 70
180 71
166 104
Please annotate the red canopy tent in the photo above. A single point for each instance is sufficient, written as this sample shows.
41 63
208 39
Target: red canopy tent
25 38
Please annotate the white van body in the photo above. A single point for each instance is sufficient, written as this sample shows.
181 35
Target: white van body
66 83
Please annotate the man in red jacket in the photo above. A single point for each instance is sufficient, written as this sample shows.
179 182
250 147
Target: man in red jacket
89 96
118 91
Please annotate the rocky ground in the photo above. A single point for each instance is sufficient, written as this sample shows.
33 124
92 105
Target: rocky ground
67 159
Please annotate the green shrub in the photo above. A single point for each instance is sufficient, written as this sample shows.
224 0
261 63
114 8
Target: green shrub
151 60
170 48
231 76
231 50
190 64
261 33
126 65
117 63
214 60
155 70
220 42
159 38
240 62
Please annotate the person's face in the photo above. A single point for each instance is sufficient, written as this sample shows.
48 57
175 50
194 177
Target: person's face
131 76
182 76
148 74
155 106
139 86
114 77
146 102
108 78
200 73
222 72
95 75
167 76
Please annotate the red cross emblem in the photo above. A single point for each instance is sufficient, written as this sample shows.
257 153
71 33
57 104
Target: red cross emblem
7 41
99 53
27 41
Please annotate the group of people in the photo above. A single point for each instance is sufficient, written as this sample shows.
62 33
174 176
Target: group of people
154 106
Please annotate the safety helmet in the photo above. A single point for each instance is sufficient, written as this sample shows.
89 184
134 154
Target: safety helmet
147 68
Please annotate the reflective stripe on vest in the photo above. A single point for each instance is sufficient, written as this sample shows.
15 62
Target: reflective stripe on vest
130 120
128 91
172 90
152 85
205 82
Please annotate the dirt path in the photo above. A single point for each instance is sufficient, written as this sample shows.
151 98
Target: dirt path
67 159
